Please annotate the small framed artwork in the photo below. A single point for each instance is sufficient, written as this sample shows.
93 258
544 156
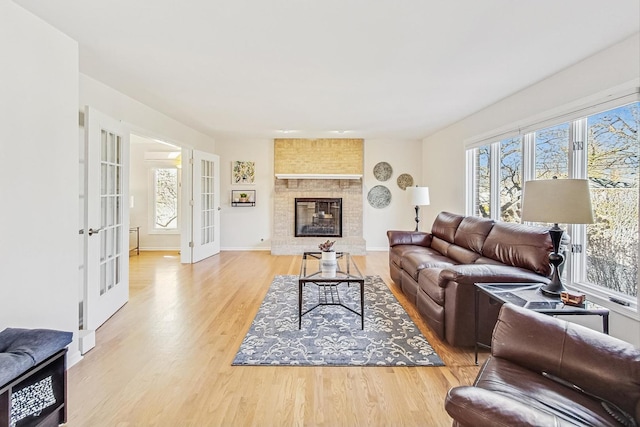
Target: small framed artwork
243 173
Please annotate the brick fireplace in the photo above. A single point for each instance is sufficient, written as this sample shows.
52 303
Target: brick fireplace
318 168
284 241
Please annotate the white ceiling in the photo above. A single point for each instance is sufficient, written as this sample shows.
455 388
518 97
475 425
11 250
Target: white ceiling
398 69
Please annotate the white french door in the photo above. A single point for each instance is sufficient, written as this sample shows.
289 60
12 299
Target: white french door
107 217
204 204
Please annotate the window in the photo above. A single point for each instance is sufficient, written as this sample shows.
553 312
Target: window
603 148
612 167
165 199
482 192
552 152
510 179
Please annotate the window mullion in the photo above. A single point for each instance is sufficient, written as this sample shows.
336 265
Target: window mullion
471 181
577 254
529 157
495 181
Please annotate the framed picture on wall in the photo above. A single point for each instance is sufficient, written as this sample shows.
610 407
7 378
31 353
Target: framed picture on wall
243 173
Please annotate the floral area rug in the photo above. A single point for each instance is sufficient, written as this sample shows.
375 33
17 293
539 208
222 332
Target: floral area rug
332 335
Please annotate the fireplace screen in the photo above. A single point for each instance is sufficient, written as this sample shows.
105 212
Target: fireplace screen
318 217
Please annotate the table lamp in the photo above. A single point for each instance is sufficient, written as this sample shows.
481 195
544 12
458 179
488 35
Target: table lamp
557 201
419 196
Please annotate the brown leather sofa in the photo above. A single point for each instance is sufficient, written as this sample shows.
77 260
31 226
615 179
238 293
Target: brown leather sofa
544 371
437 270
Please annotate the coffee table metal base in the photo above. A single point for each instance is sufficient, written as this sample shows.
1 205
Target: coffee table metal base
328 295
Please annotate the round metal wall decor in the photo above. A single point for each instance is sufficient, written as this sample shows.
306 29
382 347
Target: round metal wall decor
405 180
379 197
382 171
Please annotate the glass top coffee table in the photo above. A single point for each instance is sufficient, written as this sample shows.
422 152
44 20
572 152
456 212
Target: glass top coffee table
314 271
529 296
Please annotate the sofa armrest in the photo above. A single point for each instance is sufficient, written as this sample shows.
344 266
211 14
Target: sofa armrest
402 237
468 274
478 407
583 358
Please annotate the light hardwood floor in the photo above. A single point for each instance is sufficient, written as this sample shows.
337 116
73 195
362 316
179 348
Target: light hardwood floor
165 358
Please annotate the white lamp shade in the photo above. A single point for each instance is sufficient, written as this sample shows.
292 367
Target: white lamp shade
419 196
557 201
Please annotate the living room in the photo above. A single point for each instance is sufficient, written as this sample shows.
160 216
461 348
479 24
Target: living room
45 86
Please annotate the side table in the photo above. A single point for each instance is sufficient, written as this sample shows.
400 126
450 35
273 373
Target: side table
528 295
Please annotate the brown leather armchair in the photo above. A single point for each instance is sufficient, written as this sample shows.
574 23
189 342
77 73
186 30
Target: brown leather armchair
544 371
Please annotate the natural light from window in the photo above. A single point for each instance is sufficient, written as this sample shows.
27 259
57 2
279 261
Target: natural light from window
603 148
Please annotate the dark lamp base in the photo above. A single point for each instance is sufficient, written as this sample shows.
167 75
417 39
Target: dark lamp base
552 289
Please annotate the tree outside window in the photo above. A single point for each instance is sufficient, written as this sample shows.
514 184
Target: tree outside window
609 159
511 179
482 200
552 152
612 166
166 198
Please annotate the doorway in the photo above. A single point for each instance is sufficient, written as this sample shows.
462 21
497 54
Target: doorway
156 204
155 183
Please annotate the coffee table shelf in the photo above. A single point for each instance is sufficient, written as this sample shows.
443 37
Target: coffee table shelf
311 272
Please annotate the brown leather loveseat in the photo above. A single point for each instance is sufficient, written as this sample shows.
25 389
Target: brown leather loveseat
437 270
545 371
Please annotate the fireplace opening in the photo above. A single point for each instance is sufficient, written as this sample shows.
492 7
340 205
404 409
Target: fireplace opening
317 217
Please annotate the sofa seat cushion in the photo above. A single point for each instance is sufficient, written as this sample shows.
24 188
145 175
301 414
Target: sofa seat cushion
20 349
397 253
428 283
413 262
542 394
462 255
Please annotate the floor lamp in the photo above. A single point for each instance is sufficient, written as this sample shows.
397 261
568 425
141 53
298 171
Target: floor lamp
419 196
557 201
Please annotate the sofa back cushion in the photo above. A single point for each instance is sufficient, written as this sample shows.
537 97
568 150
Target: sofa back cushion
519 245
472 232
445 226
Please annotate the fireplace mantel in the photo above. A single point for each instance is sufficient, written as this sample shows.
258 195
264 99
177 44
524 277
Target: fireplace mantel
317 176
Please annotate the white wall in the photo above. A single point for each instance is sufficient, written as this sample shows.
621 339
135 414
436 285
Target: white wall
250 228
246 228
39 174
404 157
144 120
444 152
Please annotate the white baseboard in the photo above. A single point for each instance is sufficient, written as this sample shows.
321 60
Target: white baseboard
236 249
73 358
86 341
152 249
378 249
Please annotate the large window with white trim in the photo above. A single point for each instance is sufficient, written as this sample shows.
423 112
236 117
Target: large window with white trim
603 147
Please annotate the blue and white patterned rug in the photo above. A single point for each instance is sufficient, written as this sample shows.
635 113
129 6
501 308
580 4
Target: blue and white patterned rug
332 335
